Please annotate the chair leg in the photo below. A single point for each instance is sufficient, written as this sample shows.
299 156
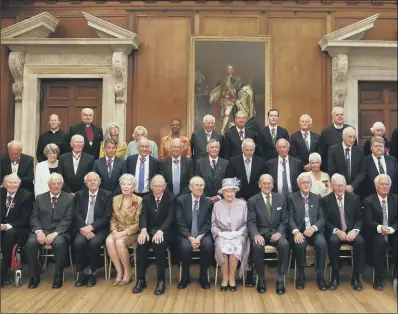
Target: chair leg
295 271
352 260
109 268
105 263
290 262
388 262
169 260
180 271
71 261
208 274
135 268
215 278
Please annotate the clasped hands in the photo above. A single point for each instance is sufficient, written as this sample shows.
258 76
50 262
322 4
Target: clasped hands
299 237
350 236
195 242
3 227
87 232
259 239
43 239
385 230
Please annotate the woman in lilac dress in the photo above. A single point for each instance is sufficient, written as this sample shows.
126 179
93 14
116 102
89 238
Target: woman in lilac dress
228 227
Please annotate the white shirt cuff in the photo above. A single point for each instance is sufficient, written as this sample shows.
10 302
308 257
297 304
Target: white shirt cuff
335 229
294 231
357 230
379 228
315 227
391 230
10 227
37 231
160 231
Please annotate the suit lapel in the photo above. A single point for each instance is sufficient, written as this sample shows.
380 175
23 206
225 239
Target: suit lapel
188 204
302 142
85 204
275 204
292 171
389 166
261 203
392 209
82 160
267 134
150 168
207 167
376 203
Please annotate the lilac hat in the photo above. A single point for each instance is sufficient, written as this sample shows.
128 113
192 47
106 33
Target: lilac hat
230 183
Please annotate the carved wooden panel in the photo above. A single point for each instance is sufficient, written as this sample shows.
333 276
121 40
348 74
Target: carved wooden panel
57 92
230 25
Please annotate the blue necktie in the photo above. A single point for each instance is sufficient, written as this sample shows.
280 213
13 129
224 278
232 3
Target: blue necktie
285 186
141 178
176 177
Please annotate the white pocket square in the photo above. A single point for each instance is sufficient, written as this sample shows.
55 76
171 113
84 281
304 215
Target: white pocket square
278 208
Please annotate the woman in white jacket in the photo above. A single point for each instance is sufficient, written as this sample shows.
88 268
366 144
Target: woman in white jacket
45 168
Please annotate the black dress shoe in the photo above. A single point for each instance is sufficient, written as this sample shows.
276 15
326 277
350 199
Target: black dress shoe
204 282
300 283
321 284
356 283
140 285
378 284
261 287
183 283
34 282
91 280
160 287
58 281
249 279
81 280
280 287
232 288
334 282
223 288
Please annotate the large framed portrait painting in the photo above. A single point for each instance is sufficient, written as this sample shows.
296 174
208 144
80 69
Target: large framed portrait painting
227 75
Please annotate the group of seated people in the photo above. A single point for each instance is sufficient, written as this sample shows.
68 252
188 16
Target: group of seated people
231 194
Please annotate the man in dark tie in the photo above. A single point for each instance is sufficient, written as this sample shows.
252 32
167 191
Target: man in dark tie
193 220
212 169
304 142
92 134
18 163
344 222
110 168
16 207
267 223
234 137
306 222
157 215
92 213
50 221
380 212
284 169
269 136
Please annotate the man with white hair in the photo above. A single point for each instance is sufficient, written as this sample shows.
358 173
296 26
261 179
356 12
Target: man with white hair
381 215
92 211
306 222
92 134
344 225
18 163
75 165
50 223
304 142
200 138
15 206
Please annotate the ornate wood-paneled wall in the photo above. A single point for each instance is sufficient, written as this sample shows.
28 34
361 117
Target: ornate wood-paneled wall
157 92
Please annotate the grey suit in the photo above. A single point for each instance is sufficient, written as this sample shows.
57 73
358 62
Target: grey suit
212 178
199 143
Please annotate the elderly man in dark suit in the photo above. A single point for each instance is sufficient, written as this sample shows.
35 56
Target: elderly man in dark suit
15 207
344 222
157 215
306 222
304 142
110 168
92 213
267 222
284 169
18 163
212 169
193 220
75 165
381 216
50 223
92 134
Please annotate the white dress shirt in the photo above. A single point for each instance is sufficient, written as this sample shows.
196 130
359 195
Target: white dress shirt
382 161
211 161
338 126
379 226
137 173
248 167
280 174
14 167
349 153
76 160
265 198
309 214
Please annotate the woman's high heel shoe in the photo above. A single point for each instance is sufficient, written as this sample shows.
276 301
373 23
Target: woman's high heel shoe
116 282
232 288
223 288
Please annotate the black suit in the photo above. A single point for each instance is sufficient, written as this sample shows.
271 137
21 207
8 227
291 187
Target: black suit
131 163
102 215
296 209
94 148
17 215
111 183
367 147
259 222
354 220
50 220
232 145
60 138
25 171
266 149
153 220
336 161
186 173
199 143
298 148
184 208
394 143
295 168
236 168
213 178
74 182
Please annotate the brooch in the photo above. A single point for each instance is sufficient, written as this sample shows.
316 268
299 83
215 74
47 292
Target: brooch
326 183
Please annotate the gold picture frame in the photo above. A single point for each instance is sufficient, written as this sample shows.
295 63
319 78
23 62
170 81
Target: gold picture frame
208 54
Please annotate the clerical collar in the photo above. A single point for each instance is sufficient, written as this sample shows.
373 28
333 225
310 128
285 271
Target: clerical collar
338 127
53 132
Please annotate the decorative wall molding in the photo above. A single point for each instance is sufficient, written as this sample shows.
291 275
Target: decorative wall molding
339 75
119 66
16 63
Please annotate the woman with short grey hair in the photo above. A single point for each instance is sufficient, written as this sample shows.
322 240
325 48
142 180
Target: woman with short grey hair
45 168
138 133
378 129
321 184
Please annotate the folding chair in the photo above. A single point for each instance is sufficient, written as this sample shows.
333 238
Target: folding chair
45 248
195 258
345 248
215 279
131 255
269 249
105 255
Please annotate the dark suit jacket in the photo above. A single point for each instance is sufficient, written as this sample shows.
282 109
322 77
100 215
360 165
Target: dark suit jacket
74 182
186 173
184 215
295 167
236 168
352 212
161 219
232 145
131 163
60 138
110 184
199 142
365 178
394 143
298 149
258 221
93 149
48 220
367 147
213 182
19 215
266 149
102 211
336 161
296 209
373 212
25 170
